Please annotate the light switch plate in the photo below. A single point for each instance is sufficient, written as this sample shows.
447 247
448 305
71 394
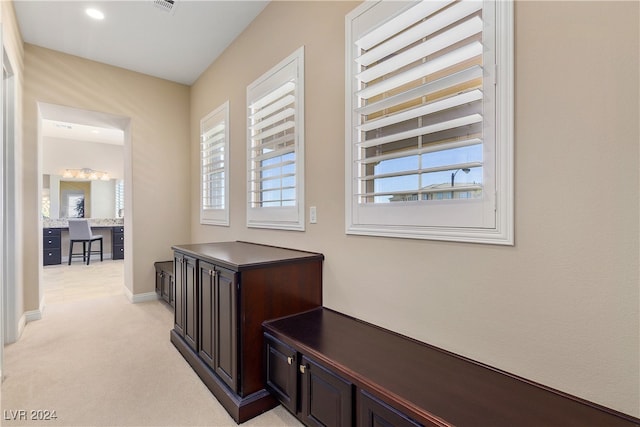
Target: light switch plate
313 216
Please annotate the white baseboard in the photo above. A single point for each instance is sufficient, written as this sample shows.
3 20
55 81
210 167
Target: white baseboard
28 316
148 296
33 315
21 324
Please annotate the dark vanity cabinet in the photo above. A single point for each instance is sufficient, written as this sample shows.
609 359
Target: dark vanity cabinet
51 246
224 291
54 238
117 242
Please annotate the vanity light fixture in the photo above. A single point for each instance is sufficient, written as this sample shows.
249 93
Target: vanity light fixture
86 173
95 14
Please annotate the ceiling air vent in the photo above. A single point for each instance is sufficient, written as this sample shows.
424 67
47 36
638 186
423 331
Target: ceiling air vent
166 5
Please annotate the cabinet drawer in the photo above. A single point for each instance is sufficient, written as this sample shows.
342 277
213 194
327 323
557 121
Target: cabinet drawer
119 229
51 257
374 412
51 232
51 242
117 252
117 239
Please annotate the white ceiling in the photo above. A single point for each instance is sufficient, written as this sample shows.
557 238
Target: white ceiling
80 132
138 35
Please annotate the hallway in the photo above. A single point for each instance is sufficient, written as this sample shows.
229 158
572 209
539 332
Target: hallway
98 360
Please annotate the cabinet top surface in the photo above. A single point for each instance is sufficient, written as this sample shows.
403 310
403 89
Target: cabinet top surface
93 222
457 390
243 255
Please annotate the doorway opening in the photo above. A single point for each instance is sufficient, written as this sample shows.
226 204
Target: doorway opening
85 172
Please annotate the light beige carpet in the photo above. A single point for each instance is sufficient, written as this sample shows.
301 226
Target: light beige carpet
98 360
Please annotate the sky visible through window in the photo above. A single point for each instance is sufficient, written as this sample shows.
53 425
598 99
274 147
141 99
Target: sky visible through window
416 181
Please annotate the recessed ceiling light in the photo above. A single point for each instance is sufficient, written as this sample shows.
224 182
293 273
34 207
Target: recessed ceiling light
95 13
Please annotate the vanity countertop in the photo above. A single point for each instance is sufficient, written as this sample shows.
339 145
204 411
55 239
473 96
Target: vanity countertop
93 222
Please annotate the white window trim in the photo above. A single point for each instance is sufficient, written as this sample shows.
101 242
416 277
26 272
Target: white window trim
218 217
503 232
281 217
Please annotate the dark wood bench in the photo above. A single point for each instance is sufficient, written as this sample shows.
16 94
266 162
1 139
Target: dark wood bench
165 283
331 369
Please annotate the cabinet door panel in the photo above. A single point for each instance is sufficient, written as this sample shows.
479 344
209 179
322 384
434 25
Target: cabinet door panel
178 274
159 282
282 372
326 399
226 328
165 287
207 292
191 303
375 413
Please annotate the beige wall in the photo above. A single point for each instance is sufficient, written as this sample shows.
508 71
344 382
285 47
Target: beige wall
157 152
560 307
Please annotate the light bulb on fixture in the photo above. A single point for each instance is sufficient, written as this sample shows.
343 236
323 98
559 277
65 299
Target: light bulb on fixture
86 173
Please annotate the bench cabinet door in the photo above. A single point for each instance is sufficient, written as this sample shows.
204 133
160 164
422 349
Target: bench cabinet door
325 398
375 413
281 372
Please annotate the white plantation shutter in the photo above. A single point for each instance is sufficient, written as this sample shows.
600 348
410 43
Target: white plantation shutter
425 157
275 146
119 198
214 163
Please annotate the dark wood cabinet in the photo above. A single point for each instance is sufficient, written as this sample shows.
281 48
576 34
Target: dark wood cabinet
53 242
51 246
117 242
226 290
164 281
354 373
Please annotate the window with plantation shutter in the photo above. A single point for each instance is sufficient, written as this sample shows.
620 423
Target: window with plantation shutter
275 146
429 120
119 198
214 163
